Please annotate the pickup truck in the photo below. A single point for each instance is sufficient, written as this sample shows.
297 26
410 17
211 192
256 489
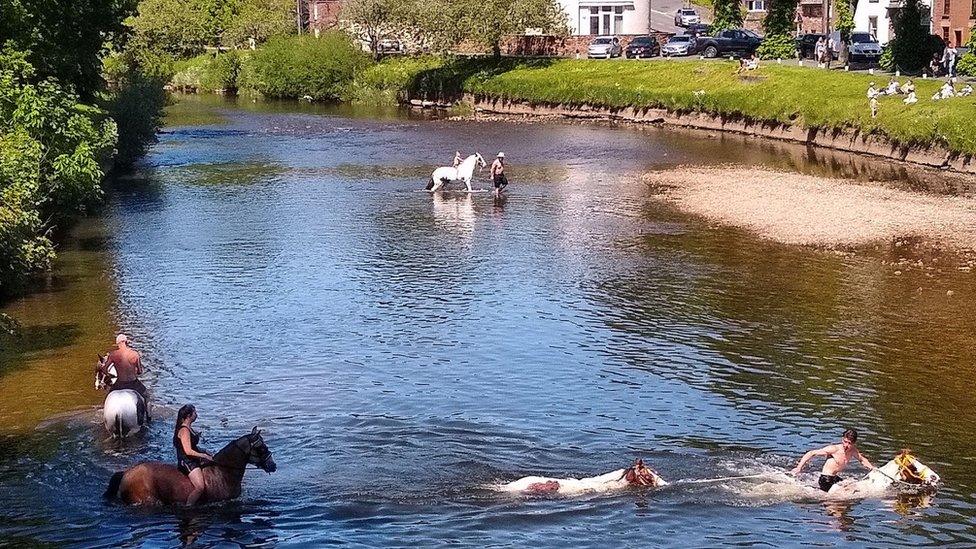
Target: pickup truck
734 41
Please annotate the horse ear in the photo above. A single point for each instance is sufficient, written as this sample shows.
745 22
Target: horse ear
255 432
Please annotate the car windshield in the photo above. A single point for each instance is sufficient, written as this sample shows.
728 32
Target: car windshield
748 32
641 40
687 12
602 41
679 39
861 37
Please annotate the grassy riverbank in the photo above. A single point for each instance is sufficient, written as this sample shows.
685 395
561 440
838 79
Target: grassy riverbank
803 96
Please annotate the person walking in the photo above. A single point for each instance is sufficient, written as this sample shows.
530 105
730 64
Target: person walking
949 56
498 178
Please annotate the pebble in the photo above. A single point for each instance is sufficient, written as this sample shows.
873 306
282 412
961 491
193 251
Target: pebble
950 293
897 273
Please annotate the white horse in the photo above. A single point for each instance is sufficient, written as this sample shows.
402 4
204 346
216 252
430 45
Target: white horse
636 475
124 410
448 174
904 472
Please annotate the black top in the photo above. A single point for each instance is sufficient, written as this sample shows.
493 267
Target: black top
194 440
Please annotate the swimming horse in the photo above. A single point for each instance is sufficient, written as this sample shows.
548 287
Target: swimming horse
448 174
151 483
124 411
636 475
904 472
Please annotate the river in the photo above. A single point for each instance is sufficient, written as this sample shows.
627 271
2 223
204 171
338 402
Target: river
278 266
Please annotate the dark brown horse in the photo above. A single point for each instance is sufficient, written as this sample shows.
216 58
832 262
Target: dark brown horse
155 483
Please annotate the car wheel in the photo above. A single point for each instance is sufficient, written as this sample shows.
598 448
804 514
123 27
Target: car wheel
711 51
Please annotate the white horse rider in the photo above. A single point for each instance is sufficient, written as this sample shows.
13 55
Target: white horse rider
124 412
462 172
903 472
635 475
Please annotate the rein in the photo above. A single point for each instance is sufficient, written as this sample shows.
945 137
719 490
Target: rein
245 453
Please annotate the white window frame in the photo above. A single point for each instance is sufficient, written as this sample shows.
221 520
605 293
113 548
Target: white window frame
609 20
755 5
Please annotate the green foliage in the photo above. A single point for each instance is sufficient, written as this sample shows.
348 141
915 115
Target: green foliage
64 40
258 21
222 71
487 21
136 104
967 64
294 67
909 48
779 19
728 14
779 46
887 60
387 81
53 152
845 20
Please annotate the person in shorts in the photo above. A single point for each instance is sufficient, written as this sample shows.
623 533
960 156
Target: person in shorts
498 178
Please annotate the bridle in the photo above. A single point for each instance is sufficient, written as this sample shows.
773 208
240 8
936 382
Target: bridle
246 454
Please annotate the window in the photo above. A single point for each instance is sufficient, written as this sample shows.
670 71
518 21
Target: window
958 41
607 20
759 5
873 26
945 8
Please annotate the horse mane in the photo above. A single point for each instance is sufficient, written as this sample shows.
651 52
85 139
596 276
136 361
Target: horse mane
221 457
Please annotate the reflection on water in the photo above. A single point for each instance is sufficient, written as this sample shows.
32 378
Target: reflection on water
405 351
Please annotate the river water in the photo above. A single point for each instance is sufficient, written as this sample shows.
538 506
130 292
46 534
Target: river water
277 266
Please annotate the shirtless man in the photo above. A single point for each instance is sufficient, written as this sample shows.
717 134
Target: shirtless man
498 173
838 455
128 367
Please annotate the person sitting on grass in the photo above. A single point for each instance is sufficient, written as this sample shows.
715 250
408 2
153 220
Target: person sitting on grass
749 63
893 87
911 99
966 90
945 92
908 87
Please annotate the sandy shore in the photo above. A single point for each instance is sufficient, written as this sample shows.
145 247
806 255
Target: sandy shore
818 211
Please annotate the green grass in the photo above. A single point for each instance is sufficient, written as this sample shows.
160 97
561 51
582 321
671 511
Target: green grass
385 82
808 97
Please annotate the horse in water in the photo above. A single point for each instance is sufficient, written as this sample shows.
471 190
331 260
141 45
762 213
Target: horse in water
152 483
636 475
904 472
448 174
124 412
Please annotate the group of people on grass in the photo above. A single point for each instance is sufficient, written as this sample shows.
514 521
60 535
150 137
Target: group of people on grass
907 89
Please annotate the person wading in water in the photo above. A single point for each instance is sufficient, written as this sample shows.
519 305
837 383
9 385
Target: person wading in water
838 455
498 173
189 458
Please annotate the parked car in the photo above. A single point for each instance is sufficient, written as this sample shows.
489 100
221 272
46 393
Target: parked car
642 46
806 45
679 44
604 47
698 29
388 45
685 17
863 48
730 41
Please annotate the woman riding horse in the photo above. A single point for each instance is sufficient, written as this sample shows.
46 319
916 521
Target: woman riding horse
189 458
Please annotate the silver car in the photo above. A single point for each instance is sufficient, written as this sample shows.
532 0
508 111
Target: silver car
679 44
685 17
604 47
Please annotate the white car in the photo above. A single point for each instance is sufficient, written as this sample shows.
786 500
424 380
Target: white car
685 17
604 47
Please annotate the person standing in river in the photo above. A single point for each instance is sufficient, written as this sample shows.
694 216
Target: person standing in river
838 455
498 173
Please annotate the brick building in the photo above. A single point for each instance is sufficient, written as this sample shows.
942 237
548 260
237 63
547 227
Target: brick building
322 15
953 20
812 16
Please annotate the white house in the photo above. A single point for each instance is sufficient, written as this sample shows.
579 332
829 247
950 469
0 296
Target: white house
876 17
608 16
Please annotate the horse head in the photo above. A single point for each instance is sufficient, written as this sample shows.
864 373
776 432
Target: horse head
258 453
104 377
481 160
912 471
642 475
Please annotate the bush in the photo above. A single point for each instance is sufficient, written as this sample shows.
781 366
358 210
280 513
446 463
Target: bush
967 65
53 152
136 104
781 46
294 67
887 60
385 82
220 73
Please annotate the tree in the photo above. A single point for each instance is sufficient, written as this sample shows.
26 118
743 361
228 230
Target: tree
778 28
909 48
259 20
845 26
485 22
727 15
373 20
64 40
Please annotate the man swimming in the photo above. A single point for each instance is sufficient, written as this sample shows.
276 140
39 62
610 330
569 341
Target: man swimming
837 457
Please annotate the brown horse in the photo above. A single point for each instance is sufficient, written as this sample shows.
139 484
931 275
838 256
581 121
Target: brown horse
154 483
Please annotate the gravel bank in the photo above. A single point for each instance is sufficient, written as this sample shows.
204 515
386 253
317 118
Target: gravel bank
817 211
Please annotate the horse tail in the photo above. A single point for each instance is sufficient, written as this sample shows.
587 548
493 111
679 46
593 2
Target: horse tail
430 184
112 491
119 426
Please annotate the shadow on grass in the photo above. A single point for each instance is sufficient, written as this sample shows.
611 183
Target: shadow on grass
447 83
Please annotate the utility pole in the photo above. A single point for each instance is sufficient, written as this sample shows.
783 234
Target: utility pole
298 15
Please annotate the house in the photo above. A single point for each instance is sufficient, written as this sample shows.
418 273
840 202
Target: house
953 20
812 16
600 17
322 15
876 17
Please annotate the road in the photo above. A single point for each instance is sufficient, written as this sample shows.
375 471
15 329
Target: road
662 14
